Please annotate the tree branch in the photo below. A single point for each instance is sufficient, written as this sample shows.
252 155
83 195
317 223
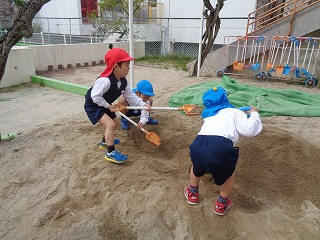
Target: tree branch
22 27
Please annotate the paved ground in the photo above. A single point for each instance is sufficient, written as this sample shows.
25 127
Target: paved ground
22 108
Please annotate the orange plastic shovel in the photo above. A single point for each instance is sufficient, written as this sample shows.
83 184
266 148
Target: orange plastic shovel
150 136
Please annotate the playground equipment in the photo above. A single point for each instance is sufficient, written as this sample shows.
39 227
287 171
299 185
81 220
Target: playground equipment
283 61
307 48
252 49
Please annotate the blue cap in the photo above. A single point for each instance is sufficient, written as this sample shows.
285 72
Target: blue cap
145 87
214 100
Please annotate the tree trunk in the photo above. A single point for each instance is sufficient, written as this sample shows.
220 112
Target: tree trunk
213 23
22 27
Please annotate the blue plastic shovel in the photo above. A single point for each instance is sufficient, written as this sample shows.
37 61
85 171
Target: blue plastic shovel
256 66
305 56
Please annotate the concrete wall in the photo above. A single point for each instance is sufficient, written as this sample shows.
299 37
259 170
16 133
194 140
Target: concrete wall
19 67
23 62
74 54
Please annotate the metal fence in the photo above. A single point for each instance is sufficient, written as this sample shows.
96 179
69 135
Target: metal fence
162 36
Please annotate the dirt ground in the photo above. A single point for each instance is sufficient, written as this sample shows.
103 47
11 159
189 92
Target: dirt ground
55 183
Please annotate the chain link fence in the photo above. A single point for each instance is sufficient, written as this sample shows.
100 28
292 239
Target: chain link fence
162 36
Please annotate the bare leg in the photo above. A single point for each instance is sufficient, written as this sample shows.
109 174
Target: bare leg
123 102
111 125
226 188
194 181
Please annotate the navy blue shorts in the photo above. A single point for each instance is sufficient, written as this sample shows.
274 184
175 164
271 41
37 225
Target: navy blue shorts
95 112
215 155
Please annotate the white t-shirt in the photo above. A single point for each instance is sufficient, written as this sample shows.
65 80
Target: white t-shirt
231 123
103 84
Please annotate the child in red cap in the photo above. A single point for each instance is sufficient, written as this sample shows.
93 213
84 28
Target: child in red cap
213 151
108 87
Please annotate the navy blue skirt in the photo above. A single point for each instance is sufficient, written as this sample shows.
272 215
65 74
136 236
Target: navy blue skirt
215 155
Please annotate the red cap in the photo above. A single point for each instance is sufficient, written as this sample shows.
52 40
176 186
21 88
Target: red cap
112 57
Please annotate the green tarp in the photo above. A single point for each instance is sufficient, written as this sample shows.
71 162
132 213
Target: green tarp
270 102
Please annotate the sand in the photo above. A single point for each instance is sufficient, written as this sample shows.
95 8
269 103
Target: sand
55 183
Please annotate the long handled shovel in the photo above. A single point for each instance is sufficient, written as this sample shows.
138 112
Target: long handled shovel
306 71
236 62
279 68
305 56
150 136
190 110
287 68
298 47
274 58
271 53
244 53
253 46
256 66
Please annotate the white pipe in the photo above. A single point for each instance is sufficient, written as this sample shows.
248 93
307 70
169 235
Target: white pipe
131 41
200 42
157 108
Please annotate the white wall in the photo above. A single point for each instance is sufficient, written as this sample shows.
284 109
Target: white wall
19 67
62 9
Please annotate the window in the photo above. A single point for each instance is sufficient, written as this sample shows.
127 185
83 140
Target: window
88 5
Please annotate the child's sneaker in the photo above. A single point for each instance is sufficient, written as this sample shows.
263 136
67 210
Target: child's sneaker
221 208
192 198
103 144
115 157
152 121
124 123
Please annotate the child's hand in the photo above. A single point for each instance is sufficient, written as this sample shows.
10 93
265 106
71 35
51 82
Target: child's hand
148 106
112 108
253 109
139 125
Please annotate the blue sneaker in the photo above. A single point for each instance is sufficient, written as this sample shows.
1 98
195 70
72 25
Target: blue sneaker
115 157
124 123
152 121
103 144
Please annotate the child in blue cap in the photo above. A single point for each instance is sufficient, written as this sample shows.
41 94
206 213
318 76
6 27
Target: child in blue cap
144 90
107 88
213 151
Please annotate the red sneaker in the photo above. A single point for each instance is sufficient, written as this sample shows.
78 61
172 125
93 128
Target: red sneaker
221 208
192 198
